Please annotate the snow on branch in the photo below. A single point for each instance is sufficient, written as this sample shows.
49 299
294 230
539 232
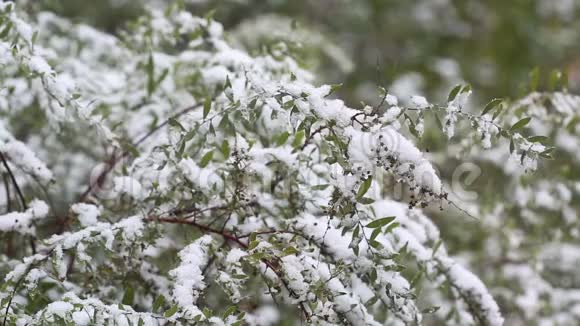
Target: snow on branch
23 222
252 194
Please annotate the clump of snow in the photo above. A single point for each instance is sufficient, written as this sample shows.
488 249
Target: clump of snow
129 186
59 308
21 156
23 222
38 65
474 291
419 102
263 316
87 213
188 276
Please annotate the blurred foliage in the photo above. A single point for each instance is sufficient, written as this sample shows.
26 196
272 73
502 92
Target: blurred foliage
492 44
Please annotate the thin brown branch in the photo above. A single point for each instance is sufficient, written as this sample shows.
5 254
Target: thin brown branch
7 189
311 136
20 196
18 191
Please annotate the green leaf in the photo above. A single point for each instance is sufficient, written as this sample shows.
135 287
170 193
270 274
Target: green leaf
161 78
356 232
206 107
436 247
520 124
289 251
150 69
382 92
548 153
375 233
132 149
209 15
207 312
416 279
364 187
555 77
206 159
437 120
396 268
253 244
171 311
189 135
174 123
380 222
34 38
158 302
180 150
372 301
564 80
225 149
224 123
229 311
549 150
288 105
430 310
129 296
356 250
491 105
453 93
365 200
391 227
6 30
534 79
538 139
252 104
228 83
466 89
512 145
572 124
373 275
298 139
497 112
162 165
282 138
320 187
334 88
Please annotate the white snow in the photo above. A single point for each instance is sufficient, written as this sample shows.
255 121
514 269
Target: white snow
22 222
87 213
129 186
59 308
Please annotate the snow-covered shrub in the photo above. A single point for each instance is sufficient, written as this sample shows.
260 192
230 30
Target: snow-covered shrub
164 177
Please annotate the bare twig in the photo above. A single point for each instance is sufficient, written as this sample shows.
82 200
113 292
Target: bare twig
7 189
20 196
311 136
18 191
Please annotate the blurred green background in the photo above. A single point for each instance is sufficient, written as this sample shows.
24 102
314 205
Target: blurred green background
425 45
